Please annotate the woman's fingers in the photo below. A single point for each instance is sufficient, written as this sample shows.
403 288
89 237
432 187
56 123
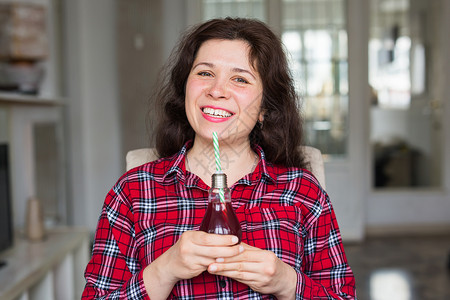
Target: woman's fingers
252 274
209 239
214 245
249 254
236 270
260 269
257 262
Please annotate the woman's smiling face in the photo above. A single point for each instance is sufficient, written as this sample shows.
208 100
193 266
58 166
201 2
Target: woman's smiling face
223 92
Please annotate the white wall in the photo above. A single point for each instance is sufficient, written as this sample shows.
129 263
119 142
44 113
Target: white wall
93 117
4 127
93 122
174 23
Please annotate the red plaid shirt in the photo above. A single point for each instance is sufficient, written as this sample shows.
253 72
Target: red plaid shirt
280 209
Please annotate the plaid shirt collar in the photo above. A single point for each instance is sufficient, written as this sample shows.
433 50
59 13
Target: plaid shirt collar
176 168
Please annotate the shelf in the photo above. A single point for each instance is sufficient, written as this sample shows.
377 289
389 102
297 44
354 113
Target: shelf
50 269
19 99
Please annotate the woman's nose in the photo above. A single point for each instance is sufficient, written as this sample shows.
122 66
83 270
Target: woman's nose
218 89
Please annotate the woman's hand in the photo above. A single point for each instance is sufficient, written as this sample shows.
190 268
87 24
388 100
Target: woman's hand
261 270
189 257
196 250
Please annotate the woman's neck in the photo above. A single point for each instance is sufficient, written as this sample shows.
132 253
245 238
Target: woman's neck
236 160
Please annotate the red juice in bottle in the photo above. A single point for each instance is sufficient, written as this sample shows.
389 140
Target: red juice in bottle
220 217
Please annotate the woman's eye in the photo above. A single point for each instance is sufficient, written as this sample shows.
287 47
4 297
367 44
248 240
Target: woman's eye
204 73
240 80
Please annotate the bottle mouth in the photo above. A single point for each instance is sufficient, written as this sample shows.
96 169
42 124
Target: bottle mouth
219 180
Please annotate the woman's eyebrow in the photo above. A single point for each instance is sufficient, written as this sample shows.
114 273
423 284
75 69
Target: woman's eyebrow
237 70
209 65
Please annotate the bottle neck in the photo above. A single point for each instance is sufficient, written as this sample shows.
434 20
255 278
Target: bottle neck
219 181
219 192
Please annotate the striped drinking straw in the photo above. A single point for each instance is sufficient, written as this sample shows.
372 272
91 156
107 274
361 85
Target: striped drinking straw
218 163
217 152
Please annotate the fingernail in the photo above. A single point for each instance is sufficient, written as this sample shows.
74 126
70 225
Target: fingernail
234 240
220 260
241 249
213 268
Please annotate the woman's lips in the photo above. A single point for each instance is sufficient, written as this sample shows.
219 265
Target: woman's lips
215 114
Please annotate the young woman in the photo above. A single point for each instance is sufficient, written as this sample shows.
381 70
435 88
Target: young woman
229 76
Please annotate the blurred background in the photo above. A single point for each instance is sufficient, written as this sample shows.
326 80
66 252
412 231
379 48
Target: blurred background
76 78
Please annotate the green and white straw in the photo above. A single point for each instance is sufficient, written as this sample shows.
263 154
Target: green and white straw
217 152
218 163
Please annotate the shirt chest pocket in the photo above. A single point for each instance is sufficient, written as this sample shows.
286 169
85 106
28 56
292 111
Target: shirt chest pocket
276 228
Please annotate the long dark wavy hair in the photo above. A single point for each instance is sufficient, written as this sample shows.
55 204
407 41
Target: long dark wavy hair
281 132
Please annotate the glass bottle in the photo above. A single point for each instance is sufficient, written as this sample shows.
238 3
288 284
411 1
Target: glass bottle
220 217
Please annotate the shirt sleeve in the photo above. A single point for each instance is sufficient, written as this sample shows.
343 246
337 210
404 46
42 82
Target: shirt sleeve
325 271
113 271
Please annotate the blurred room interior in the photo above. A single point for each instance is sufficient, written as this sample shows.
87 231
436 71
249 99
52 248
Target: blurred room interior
76 77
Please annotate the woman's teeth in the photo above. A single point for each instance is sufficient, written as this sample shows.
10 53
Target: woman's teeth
216 112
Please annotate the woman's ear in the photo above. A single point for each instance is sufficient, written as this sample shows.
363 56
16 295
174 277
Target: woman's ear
261 116
261 120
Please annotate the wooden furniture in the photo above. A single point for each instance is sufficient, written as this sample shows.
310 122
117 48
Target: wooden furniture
51 269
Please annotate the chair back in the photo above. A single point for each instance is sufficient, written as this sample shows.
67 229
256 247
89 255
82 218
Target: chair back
313 155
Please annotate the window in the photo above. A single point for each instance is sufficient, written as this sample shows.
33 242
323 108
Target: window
314 33
232 8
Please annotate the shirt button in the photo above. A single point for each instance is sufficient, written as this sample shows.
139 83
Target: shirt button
222 283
